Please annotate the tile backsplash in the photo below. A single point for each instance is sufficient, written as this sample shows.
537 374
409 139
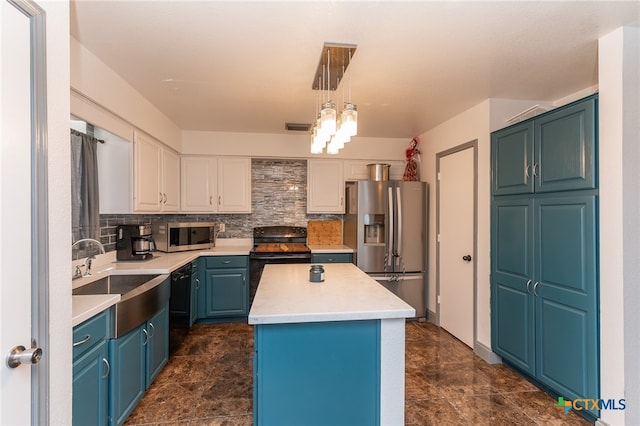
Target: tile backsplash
278 194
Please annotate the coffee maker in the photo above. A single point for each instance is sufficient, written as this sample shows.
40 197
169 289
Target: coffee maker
134 242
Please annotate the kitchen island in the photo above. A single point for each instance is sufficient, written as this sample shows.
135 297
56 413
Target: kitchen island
330 352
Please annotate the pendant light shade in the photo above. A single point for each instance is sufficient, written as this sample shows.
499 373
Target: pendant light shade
328 117
350 119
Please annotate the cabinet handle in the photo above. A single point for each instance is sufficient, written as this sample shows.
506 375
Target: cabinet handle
106 362
535 287
226 262
165 198
197 284
341 201
160 197
535 165
528 284
210 200
526 171
146 337
83 341
219 199
153 330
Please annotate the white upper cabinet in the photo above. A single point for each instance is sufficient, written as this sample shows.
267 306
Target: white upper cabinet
234 185
211 184
170 181
199 192
156 176
325 186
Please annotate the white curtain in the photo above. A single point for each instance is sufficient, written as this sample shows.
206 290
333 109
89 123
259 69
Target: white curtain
84 186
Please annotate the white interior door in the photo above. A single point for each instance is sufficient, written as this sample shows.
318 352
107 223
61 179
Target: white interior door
21 106
456 261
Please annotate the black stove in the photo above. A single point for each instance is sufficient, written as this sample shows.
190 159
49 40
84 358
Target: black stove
276 244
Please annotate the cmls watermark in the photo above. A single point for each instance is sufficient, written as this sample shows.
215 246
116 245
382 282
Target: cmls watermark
590 404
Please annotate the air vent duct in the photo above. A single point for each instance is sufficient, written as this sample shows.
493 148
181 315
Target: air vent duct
297 127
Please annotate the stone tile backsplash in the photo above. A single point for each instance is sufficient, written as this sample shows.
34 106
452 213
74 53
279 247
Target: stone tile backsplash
279 197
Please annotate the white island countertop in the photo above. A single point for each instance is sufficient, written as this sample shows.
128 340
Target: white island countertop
285 295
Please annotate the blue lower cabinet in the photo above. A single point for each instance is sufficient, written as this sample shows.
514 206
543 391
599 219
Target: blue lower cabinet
325 373
331 258
91 370
137 358
544 284
224 287
90 387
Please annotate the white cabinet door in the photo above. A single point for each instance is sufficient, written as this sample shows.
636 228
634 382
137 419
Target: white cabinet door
325 186
170 181
147 157
198 190
234 185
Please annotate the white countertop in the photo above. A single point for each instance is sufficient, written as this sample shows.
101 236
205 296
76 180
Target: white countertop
330 249
86 306
285 295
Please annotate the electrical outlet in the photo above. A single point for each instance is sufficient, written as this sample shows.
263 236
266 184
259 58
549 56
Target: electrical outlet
222 228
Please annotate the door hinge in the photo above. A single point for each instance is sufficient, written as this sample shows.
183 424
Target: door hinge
438 299
439 175
438 238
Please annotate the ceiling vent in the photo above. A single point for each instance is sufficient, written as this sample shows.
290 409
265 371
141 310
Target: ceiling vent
297 127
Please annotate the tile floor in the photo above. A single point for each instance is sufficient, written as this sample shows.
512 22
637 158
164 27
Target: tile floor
208 382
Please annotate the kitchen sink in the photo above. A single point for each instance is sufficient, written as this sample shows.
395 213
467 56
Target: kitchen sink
141 297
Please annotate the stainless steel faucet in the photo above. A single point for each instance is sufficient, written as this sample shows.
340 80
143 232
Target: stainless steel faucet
89 260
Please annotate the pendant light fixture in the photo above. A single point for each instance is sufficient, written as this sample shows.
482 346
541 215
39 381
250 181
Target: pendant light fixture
333 129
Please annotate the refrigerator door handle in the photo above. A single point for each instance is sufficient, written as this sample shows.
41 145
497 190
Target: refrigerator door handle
391 225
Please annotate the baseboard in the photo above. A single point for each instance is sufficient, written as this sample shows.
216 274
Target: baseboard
432 317
486 354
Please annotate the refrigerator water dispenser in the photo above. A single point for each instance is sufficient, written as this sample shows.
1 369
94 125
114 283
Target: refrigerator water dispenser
374 229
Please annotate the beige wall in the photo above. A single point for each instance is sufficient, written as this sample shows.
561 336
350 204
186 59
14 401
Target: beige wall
287 146
59 181
619 156
97 82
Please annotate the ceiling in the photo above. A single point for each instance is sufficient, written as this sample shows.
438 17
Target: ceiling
239 66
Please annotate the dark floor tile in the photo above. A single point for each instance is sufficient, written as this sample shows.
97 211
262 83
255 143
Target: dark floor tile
539 406
224 421
490 410
457 380
504 379
427 412
169 402
182 369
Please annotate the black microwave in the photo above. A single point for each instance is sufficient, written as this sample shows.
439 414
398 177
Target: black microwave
183 236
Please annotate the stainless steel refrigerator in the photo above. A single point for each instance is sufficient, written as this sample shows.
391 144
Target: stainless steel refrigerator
386 224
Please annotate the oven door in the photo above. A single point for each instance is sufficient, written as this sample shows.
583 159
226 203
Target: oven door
258 260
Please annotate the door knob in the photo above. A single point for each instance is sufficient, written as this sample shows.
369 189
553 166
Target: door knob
19 355
467 258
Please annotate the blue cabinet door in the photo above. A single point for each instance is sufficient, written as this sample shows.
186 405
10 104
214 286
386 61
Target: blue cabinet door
565 141
317 374
127 381
566 295
512 273
226 292
90 387
512 152
157 344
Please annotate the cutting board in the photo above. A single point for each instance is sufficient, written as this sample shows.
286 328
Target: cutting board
324 232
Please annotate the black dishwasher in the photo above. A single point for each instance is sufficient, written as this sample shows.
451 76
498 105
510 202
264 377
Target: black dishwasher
179 306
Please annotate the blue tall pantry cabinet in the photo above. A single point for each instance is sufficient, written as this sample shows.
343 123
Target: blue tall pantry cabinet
544 253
